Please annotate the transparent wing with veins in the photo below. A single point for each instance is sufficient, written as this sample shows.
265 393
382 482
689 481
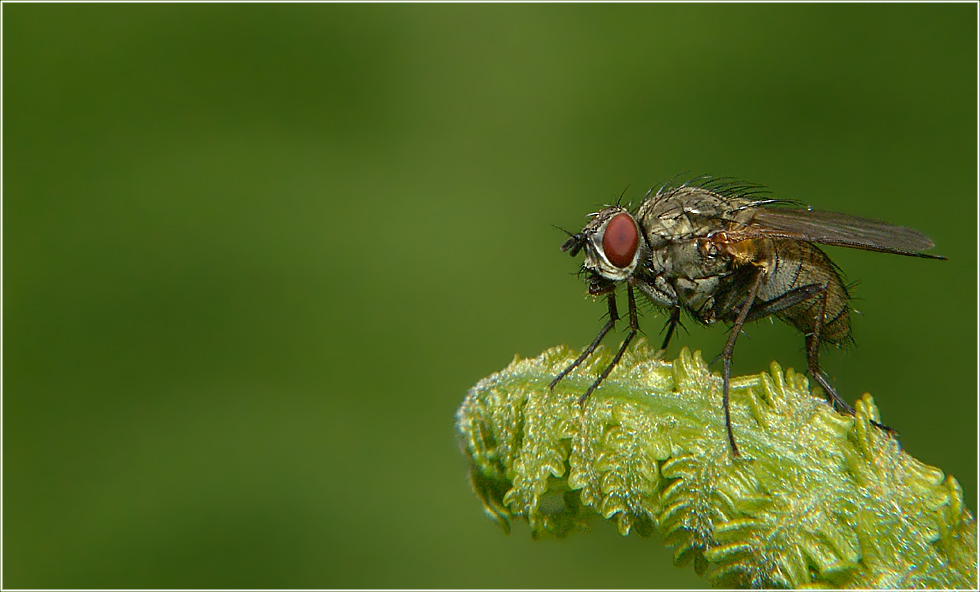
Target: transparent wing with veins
832 228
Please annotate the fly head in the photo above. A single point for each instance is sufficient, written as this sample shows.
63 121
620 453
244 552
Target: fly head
613 245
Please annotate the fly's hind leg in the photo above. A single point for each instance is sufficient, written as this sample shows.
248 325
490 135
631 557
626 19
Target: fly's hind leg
792 298
813 369
813 364
813 355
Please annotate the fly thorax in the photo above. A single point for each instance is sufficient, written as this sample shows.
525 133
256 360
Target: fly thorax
698 295
682 214
657 289
694 259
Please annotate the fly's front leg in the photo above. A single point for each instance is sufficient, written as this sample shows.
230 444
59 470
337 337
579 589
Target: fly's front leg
726 354
613 317
664 295
634 327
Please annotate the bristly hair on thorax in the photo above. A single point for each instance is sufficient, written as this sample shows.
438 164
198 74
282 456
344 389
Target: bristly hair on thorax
728 187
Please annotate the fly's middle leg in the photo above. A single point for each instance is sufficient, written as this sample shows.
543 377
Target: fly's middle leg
726 354
672 322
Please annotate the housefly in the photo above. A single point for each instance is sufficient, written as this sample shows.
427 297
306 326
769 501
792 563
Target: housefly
719 250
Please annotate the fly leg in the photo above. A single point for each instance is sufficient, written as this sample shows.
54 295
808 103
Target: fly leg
726 354
813 365
613 317
792 298
634 327
813 356
672 322
780 303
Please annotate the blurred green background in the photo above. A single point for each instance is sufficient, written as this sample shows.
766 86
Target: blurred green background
255 255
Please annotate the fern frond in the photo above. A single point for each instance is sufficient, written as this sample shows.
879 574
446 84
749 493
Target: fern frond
816 499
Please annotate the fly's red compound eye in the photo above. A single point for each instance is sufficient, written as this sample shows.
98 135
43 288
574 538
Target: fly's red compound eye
620 240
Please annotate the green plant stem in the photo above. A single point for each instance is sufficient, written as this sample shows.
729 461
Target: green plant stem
817 498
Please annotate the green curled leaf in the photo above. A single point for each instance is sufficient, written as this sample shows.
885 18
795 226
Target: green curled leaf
817 499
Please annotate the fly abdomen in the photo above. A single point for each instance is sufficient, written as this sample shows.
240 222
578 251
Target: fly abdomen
793 265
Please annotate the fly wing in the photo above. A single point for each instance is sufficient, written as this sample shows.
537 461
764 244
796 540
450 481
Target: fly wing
832 228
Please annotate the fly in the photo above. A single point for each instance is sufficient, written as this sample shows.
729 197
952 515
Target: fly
718 251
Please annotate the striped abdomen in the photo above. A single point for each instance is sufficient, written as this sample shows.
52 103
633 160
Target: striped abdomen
794 264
